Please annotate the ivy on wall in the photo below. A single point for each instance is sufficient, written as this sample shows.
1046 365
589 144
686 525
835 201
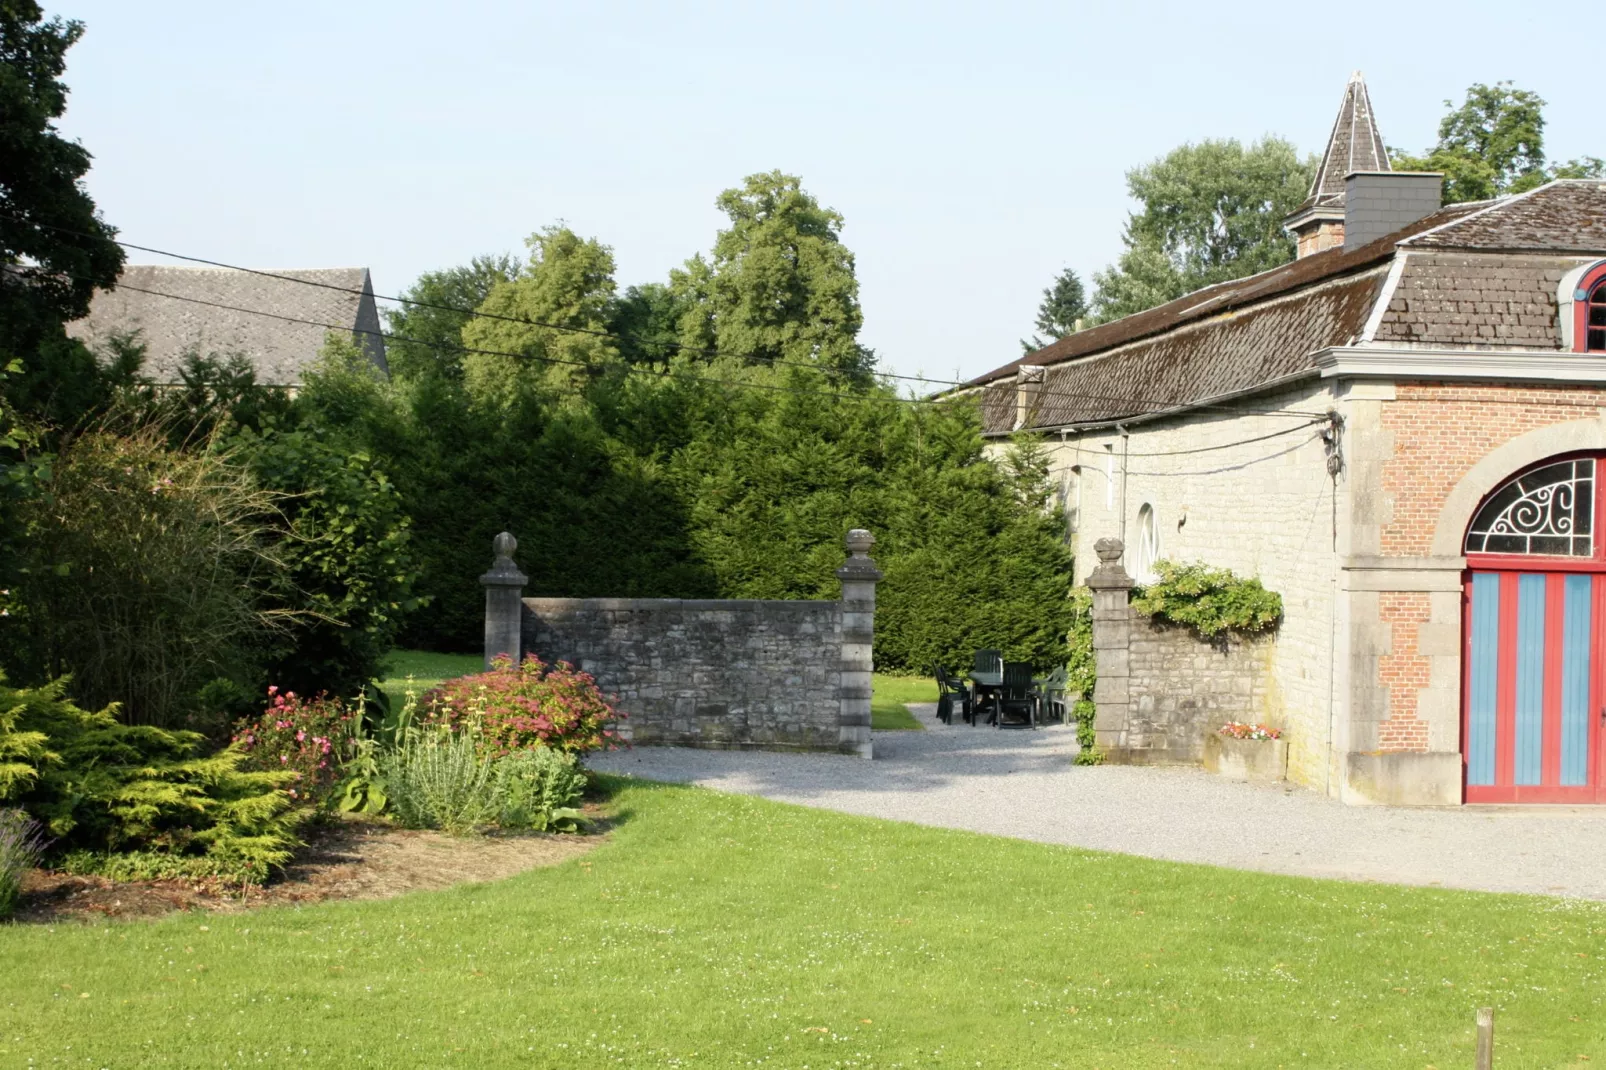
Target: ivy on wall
1211 601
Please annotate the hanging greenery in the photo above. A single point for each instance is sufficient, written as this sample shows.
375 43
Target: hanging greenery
1209 600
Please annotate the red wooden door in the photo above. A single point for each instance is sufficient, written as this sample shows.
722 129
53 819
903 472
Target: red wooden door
1534 618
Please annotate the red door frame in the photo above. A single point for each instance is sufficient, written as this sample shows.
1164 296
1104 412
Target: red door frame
1509 566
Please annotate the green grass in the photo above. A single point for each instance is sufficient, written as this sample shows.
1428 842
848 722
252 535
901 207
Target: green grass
891 692
426 669
726 931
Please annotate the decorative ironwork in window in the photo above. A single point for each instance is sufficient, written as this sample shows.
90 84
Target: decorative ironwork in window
1595 319
1549 510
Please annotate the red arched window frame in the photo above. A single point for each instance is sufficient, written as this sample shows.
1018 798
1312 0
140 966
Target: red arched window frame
1589 312
1482 553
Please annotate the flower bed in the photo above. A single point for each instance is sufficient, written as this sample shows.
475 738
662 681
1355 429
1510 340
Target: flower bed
1242 730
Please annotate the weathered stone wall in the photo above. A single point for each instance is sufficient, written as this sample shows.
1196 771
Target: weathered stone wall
704 673
1162 688
1183 688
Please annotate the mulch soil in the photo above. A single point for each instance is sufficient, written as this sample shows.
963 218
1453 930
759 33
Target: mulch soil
350 858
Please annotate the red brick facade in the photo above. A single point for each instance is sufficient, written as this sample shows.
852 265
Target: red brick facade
1441 430
1403 671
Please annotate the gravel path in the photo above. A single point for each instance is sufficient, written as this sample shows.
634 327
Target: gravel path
1022 784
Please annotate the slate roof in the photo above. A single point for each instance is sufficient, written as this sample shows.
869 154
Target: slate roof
1564 216
1477 275
1354 145
1219 357
174 310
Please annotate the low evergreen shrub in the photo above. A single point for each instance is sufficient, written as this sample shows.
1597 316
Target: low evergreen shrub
1211 601
102 786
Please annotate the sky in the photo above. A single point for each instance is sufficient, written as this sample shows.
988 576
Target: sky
974 150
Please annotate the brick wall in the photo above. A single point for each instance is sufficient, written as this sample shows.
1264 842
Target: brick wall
1403 670
763 674
1441 430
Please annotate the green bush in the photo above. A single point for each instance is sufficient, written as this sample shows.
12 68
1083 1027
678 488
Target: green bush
1082 675
539 788
103 786
1209 600
437 779
145 574
21 845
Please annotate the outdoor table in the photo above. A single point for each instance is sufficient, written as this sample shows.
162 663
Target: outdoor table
981 683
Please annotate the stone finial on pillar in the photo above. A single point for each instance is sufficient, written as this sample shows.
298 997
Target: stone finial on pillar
859 576
1112 638
504 591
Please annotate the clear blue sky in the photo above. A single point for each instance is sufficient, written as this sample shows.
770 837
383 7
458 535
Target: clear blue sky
974 149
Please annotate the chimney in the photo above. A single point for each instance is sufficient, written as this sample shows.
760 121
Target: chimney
1028 384
1377 203
1354 145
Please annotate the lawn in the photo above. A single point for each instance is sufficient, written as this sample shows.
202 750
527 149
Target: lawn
726 931
427 670
888 695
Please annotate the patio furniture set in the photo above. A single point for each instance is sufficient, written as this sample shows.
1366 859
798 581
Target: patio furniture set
1004 692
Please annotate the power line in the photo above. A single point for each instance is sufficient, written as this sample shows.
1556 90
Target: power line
1150 406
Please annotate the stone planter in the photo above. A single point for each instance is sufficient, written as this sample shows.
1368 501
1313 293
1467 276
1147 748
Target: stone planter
1246 759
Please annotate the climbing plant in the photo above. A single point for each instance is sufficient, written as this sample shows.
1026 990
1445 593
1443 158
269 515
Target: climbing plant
1209 600
1082 674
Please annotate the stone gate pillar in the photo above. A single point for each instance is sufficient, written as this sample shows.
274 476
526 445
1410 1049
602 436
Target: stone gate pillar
1112 637
859 576
504 592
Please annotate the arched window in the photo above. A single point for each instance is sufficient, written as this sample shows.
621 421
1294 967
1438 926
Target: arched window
1148 545
1592 312
1548 510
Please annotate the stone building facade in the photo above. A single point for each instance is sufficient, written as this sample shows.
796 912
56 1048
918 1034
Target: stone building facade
1334 427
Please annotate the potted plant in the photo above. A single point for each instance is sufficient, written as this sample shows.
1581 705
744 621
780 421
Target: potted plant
1240 751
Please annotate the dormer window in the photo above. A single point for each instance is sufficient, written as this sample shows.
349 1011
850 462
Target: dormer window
1589 311
1593 313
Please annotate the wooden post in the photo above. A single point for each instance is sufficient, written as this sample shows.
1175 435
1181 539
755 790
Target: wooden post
1485 1039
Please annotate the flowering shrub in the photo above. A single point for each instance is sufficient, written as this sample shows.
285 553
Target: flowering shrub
1240 730
531 705
311 738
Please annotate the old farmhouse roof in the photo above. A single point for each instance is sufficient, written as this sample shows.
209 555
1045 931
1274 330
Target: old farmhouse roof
1251 334
177 311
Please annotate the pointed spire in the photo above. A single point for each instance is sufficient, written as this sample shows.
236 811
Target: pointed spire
1354 145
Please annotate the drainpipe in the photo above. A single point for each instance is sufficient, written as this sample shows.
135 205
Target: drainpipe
1126 450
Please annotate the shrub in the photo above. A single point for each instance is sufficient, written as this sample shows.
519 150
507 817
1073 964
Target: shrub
1209 600
439 779
313 739
21 843
538 789
100 785
510 708
144 573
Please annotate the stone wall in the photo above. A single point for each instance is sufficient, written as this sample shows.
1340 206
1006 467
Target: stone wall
1161 688
704 673
725 673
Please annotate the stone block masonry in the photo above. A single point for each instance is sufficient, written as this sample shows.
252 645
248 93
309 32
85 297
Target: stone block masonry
1162 690
793 675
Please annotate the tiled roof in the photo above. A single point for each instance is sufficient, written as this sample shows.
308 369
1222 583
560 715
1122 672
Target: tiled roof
1474 299
188 321
1228 354
1354 145
1563 216
1223 297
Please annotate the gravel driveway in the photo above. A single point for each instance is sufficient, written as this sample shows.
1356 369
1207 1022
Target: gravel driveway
1022 784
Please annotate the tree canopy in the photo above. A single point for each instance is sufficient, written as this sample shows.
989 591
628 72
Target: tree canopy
779 286
429 333
1493 145
1064 307
1209 212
